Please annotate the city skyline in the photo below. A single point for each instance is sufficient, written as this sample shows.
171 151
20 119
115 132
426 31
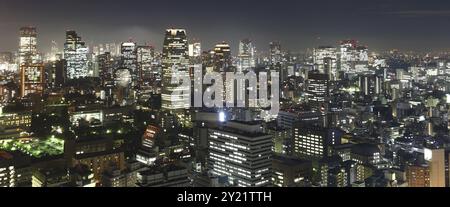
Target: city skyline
201 94
383 25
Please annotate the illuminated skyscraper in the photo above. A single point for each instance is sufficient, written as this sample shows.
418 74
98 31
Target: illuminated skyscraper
105 67
128 51
353 57
175 57
241 152
55 73
314 142
318 90
31 71
145 58
325 60
246 55
275 53
370 84
222 57
195 49
76 55
31 79
28 53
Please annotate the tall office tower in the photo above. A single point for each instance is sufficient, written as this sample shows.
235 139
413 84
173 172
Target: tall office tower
105 67
314 142
175 57
28 53
318 90
325 60
76 55
353 57
241 152
246 55
31 79
128 53
195 49
56 73
275 53
370 84
222 57
145 57
437 164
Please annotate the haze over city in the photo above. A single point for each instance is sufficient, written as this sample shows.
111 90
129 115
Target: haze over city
381 24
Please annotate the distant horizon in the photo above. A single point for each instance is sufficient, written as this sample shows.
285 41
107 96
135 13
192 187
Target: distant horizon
234 47
382 25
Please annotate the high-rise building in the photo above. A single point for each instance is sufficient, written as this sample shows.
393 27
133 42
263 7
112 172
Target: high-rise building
195 49
128 51
275 53
353 57
28 53
246 55
241 152
175 57
145 58
31 79
222 57
318 90
325 60
105 67
314 142
55 73
76 55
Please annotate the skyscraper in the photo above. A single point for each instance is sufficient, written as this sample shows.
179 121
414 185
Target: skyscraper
31 71
145 57
195 49
104 64
128 51
318 90
353 57
325 60
275 53
241 152
76 55
246 55
314 142
31 79
28 46
222 57
175 57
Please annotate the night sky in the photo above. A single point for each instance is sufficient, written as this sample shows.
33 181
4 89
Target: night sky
379 24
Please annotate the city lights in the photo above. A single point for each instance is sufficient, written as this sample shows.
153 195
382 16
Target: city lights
269 94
